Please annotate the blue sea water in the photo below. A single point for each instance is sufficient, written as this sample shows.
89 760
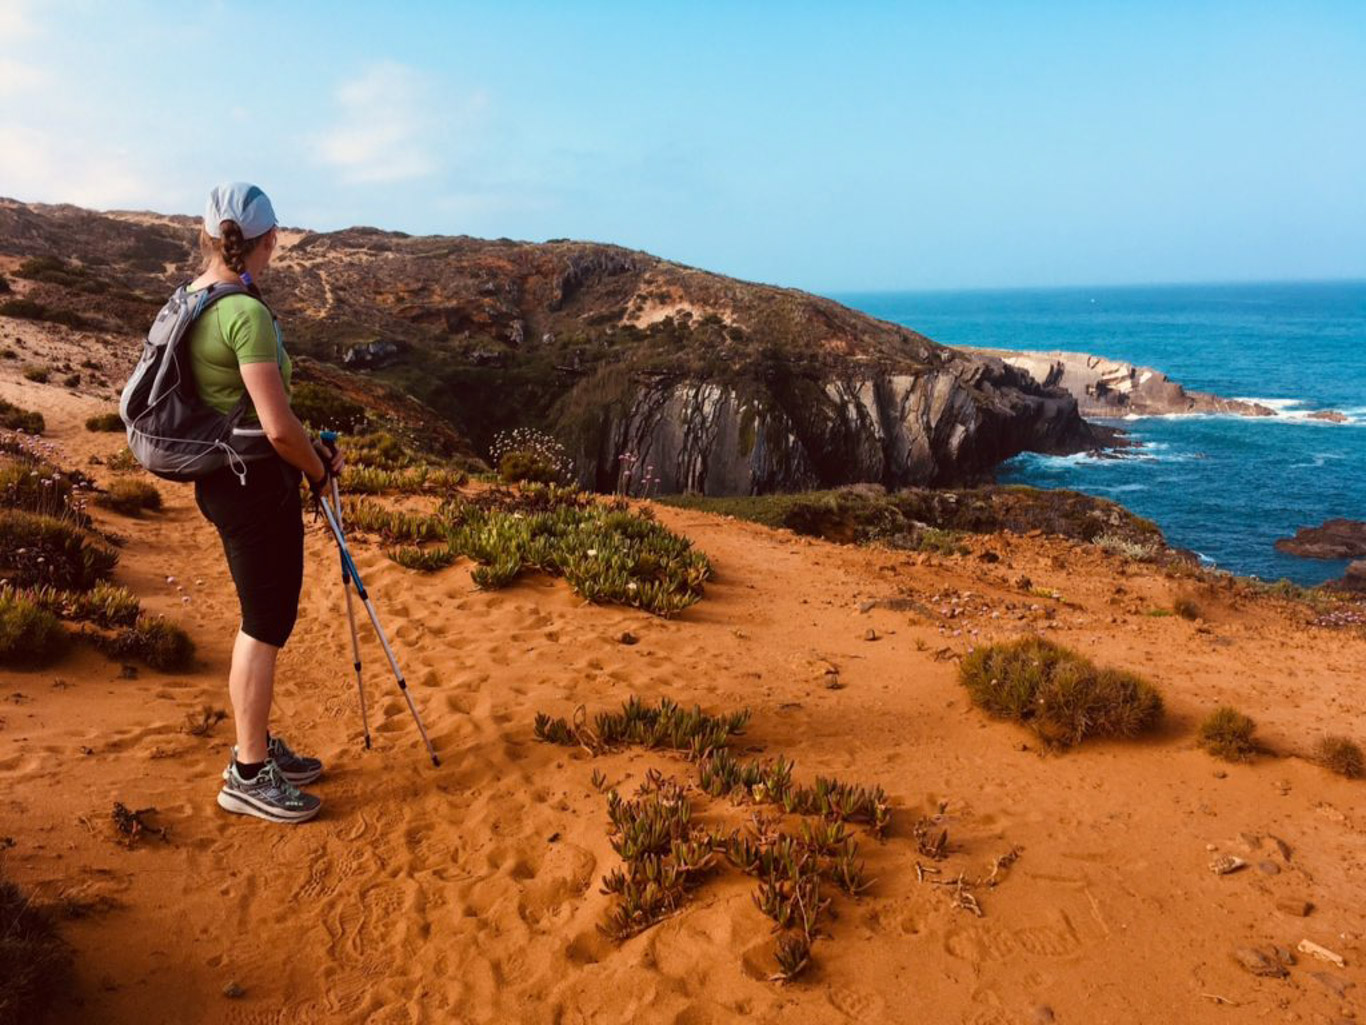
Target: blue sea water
1226 487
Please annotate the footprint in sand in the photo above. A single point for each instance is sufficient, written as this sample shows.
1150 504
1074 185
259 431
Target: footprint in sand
858 1005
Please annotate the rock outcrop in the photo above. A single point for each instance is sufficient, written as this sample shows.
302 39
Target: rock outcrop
1334 539
1110 388
1353 581
723 386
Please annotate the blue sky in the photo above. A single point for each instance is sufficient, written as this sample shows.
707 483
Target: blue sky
834 146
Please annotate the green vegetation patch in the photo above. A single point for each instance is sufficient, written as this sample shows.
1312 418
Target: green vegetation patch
30 635
37 550
935 519
161 644
1059 694
106 422
667 854
130 496
14 418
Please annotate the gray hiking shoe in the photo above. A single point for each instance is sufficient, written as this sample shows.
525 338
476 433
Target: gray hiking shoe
269 796
298 769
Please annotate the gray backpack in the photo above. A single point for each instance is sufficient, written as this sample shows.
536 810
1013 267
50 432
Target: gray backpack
171 431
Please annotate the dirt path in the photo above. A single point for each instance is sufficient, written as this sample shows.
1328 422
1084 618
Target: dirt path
470 893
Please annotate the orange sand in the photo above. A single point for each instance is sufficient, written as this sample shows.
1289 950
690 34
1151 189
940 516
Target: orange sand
470 893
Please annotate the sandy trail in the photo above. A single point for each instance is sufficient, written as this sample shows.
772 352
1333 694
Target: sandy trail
470 893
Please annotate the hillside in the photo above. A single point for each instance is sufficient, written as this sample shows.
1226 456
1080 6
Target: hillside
473 892
725 387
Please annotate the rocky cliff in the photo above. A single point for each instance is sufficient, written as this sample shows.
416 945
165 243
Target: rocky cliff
1111 388
720 385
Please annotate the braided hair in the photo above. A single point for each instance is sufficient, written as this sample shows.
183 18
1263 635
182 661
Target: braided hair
232 249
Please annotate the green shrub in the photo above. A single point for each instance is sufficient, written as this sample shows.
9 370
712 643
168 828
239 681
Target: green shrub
23 309
13 418
392 525
43 550
4 285
35 963
424 560
71 381
531 456
1340 755
367 480
1058 693
378 449
326 409
110 422
130 497
1118 544
36 486
605 553
105 604
161 644
30 636
38 375
1227 734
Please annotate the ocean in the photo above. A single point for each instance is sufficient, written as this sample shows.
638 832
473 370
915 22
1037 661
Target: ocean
1226 487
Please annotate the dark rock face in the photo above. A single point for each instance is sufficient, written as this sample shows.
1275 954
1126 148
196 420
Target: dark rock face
1354 580
894 429
724 386
1335 539
1109 388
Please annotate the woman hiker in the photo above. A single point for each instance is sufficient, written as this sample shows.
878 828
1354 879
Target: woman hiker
235 347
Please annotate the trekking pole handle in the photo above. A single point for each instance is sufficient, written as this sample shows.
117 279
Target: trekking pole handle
329 440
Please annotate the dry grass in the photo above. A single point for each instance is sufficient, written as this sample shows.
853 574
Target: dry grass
1341 755
35 963
1228 734
1061 695
130 496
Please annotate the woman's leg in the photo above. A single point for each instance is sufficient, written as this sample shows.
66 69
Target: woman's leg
251 686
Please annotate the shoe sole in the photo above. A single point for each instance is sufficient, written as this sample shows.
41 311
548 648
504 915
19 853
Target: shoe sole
300 779
240 804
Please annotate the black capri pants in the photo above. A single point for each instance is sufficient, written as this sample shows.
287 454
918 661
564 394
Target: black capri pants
262 527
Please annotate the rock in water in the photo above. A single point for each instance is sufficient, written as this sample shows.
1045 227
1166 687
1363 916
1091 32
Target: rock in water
1334 539
1109 388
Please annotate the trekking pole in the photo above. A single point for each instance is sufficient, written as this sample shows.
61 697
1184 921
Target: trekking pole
329 440
364 595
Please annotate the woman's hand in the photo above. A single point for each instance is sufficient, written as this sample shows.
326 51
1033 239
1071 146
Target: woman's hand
333 460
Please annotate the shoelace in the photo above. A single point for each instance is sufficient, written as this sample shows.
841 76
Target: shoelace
277 779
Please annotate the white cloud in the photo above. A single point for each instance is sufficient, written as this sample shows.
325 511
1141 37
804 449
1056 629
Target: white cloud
18 77
48 167
15 20
383 134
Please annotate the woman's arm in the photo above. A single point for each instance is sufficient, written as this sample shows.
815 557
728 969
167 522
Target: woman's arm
282 427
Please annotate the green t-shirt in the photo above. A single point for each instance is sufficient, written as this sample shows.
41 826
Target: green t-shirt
236 329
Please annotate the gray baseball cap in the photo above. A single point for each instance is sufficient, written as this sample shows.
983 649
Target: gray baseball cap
241 202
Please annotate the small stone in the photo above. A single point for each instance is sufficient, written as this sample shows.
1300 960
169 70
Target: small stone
1259 963
233 991
1220 774
1251 841
1043 1015
1227 865
1298 908
870 634
629 638
1322 953
1281 846
1269 868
